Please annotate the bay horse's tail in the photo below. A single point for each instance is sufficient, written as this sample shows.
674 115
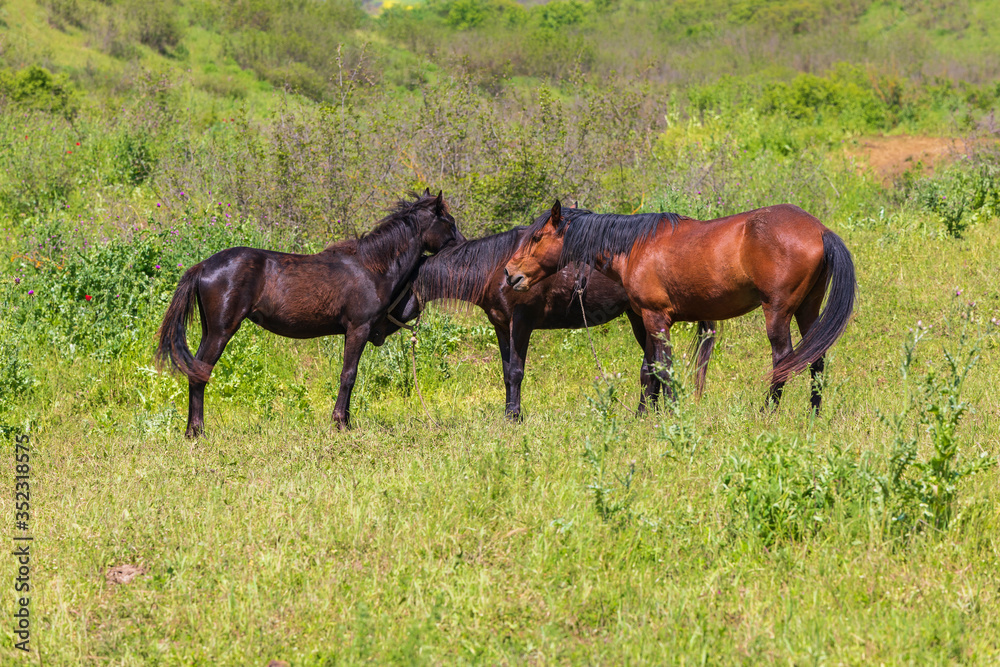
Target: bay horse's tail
842 287
173 348
704 344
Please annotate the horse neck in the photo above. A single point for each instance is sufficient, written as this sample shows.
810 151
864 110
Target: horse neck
403 264
464 276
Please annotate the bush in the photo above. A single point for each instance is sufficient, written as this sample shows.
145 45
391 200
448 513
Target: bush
36 88
962 194
132 157
156 24
921 494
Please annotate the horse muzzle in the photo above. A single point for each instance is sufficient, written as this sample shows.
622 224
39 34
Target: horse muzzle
517 281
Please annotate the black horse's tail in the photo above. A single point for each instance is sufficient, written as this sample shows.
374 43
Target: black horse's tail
173 348
704 345
842 287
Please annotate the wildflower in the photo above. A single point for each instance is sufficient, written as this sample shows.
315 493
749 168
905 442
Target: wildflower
78 143
157 267
87 297
958 292
17 281
180 266
157 204
31 292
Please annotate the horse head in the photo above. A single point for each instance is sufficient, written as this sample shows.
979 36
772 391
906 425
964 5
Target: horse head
537 257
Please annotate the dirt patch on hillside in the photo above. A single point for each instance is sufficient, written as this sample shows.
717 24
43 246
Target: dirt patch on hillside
889 157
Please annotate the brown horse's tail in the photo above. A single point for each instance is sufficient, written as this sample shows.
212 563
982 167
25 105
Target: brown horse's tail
704 345
173 348
842 287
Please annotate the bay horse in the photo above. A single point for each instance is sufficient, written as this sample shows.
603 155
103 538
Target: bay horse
676 269
473 271
345 289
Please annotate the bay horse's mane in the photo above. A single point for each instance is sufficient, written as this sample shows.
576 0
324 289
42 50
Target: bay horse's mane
462 272
377 247
590 235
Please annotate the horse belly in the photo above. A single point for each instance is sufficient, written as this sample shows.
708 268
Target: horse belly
303 317
310 327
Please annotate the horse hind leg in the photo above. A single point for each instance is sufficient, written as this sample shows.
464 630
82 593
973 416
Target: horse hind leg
805 318
778 322
218 328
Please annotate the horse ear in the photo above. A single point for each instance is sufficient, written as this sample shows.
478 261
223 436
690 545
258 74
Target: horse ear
427 192
555 215
439 203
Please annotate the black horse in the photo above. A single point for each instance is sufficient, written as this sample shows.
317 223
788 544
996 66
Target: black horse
345 289
473 271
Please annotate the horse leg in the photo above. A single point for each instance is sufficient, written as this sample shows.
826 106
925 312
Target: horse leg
778 321
659 356
354 344
503 341
805 317
211 348
703 348
217 330
648 386
520 334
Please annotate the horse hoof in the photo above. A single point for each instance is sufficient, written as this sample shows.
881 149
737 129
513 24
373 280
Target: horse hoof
515 417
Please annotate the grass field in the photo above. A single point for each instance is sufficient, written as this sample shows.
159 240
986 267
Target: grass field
710 532
476 540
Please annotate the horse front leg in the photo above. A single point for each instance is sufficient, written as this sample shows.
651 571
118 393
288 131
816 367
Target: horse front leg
520 334
354 344
659 354
503 342
649 388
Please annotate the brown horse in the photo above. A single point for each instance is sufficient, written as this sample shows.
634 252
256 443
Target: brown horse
676 269
345 289
473 271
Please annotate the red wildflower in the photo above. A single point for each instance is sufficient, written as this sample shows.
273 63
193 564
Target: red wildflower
87 297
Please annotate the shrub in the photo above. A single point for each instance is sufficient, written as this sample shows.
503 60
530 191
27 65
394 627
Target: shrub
36 88
156 24
132 157
962 194
921 493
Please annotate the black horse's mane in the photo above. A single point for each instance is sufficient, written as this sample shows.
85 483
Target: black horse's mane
462 272
590 235
379 246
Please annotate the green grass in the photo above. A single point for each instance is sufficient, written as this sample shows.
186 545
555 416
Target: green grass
712 533
478 540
